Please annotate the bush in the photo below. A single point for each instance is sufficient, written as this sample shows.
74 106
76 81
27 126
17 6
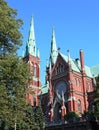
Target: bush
71 116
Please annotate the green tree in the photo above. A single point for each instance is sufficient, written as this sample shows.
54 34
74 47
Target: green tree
10 36
14 74
96 99
70 116
39 118
29 121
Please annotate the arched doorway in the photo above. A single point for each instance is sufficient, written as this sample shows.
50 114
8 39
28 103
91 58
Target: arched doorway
57 112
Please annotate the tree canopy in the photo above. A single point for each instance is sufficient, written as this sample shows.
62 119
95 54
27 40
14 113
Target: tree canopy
14 76
96 99
70 116
39 117
10 36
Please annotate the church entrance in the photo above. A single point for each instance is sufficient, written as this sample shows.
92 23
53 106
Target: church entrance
57 113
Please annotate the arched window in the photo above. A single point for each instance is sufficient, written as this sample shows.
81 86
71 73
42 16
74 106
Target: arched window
74 82
34 101
88 87
57 70
78 83
60 69
79 106
35 71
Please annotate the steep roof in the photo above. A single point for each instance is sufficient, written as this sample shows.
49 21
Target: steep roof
44 89
76 66
73 63
95 70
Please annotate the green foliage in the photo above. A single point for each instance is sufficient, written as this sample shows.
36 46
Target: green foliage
13 76
34 119
13 71
39 118
10 36
88 115
70 115
28 121
96 99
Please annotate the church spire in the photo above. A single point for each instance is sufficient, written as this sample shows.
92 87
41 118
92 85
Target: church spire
54 53
31 44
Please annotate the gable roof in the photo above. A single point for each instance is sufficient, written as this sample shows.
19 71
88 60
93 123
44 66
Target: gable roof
95 70
76 66
73 63
45 88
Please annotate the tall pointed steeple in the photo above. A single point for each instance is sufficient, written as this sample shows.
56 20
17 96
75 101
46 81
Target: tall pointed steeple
31 44
53 53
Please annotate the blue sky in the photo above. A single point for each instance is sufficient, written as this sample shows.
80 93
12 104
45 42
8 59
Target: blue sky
76 25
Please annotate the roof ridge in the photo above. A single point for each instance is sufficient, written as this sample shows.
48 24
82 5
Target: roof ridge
95 66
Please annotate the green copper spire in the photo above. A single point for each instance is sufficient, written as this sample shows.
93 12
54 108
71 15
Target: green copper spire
54 53
31 45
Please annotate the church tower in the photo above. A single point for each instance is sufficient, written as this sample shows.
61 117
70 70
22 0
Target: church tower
33 60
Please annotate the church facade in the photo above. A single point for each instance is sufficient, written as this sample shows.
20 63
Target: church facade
69 82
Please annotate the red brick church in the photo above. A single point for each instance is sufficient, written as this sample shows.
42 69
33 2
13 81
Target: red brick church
69 82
